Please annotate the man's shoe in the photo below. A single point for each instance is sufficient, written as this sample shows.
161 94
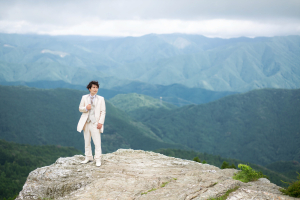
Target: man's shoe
98 163
86 161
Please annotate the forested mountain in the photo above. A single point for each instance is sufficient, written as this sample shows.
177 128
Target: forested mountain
261 126
17 160
176 94
286 168
40 117
238 64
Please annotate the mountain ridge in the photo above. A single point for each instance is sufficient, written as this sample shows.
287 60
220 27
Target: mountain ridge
239 64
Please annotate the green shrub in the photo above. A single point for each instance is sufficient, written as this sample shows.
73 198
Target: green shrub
197 159
294 189
226 165
247 174
204 162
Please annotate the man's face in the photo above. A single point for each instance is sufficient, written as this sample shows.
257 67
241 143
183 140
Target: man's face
93 90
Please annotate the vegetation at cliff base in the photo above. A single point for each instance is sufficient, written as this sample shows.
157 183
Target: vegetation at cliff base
248 174
293 189
226 165
196 159
17 160
218 161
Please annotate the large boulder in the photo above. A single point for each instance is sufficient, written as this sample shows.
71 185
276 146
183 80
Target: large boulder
137 174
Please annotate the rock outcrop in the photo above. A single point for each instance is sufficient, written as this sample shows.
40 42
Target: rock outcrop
136 174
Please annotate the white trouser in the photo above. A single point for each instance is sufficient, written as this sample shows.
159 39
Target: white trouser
90 130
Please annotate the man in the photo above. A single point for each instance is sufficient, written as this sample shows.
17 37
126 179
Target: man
91 122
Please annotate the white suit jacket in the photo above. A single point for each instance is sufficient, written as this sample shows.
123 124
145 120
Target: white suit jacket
100 111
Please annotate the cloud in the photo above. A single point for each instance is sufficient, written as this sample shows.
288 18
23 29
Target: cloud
221 18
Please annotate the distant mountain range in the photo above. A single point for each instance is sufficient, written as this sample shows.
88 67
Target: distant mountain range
238 64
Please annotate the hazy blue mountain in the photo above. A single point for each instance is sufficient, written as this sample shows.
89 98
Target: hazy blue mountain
238 64
261 126
50 116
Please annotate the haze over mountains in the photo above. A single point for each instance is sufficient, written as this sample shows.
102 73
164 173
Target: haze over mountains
238 64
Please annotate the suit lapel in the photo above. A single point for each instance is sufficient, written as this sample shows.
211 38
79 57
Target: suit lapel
96 100
88 99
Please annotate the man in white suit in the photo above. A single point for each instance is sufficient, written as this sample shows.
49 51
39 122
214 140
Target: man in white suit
91 122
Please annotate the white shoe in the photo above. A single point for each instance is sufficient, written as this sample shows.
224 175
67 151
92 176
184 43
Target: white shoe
86 161
98 163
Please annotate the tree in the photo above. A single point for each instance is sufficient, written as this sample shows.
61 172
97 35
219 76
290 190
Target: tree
197 159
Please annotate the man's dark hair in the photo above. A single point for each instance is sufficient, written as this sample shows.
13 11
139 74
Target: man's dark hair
89 86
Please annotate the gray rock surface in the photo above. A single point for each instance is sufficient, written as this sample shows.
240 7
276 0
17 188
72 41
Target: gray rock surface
137 174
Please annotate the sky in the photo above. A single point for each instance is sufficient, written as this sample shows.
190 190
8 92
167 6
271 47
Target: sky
211 18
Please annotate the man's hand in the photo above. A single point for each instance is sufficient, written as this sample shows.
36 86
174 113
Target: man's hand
99 126
88 107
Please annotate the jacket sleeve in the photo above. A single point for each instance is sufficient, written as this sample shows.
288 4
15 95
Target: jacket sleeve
82 106
102 111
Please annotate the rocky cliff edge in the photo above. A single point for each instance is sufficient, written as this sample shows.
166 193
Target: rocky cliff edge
137 174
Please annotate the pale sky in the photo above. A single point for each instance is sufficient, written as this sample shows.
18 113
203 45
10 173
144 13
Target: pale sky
212 18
